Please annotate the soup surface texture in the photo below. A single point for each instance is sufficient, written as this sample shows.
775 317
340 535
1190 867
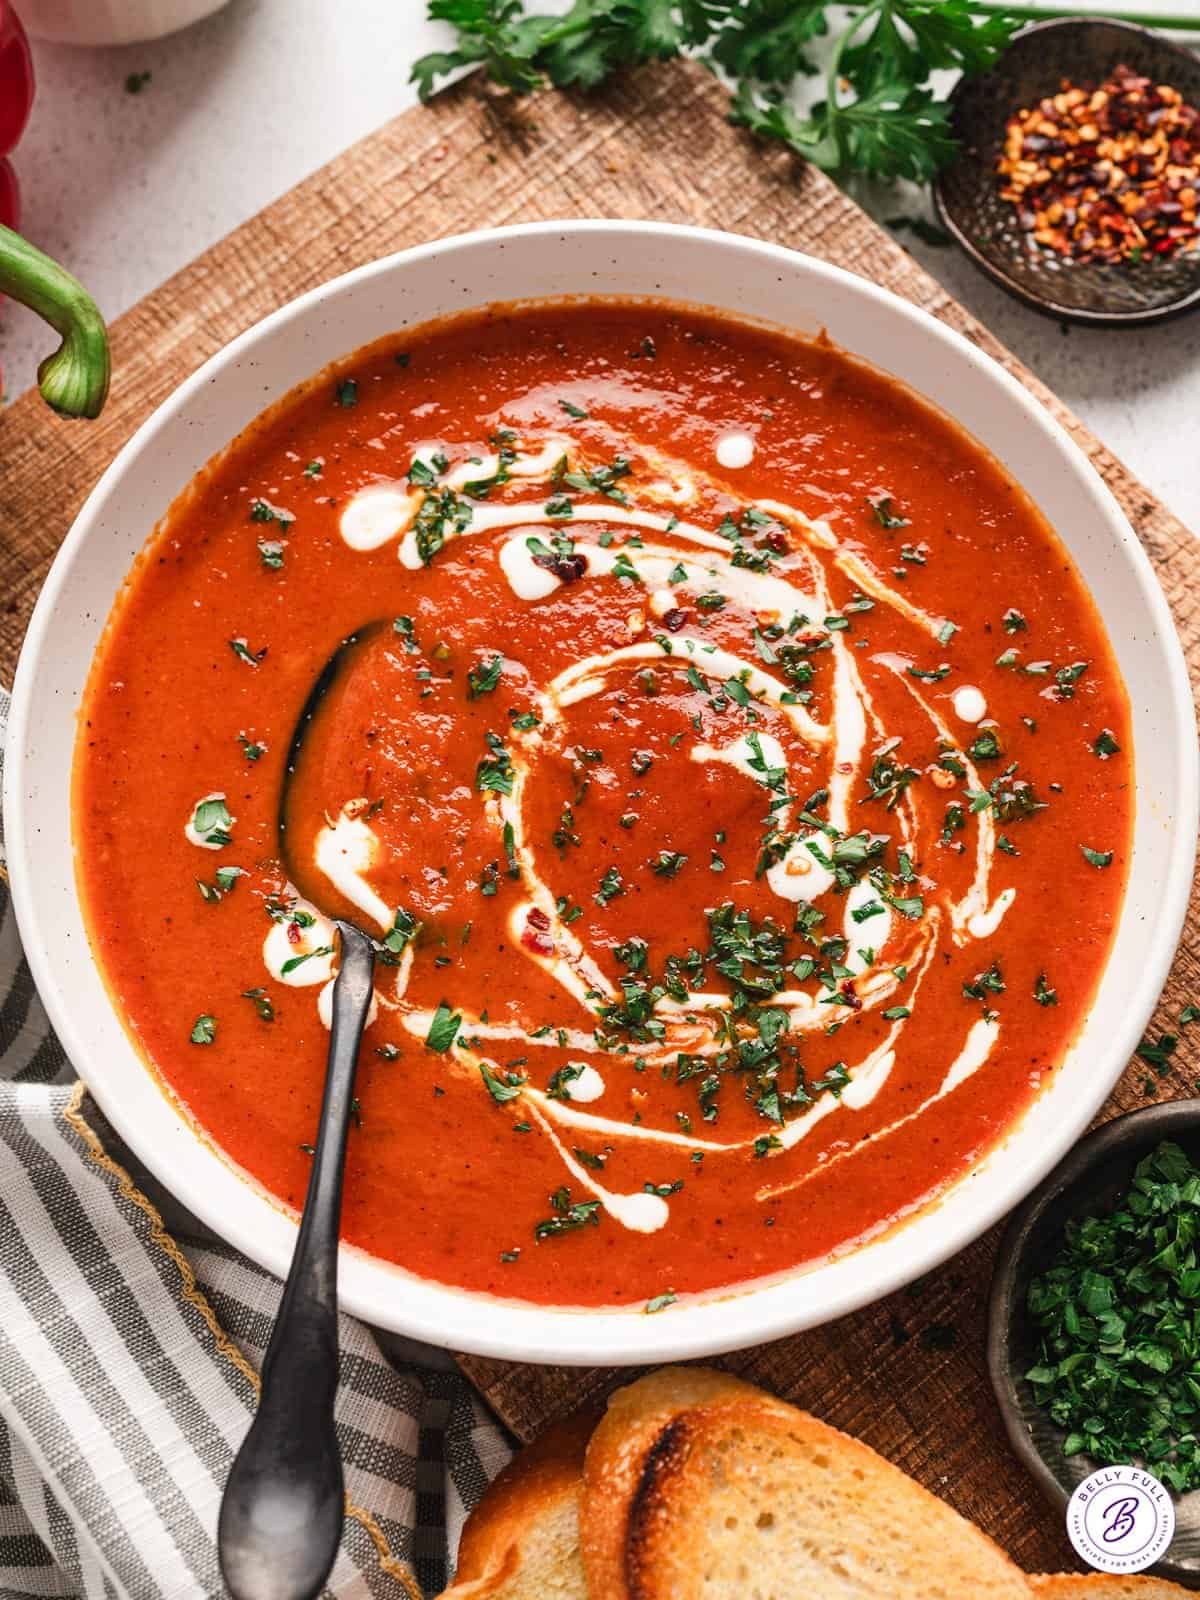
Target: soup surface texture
725 755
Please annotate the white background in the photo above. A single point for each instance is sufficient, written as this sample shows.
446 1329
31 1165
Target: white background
125 189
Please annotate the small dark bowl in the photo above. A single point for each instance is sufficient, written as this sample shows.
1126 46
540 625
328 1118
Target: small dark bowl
1088 1181
967 195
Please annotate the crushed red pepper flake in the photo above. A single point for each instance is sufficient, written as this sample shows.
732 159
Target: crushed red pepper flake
1108 174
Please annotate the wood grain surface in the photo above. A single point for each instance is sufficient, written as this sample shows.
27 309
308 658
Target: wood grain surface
656 146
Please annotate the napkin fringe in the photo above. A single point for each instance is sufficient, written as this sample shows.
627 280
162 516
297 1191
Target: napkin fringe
195 1296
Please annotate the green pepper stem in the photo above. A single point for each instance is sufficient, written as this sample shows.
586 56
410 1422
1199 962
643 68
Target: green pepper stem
74 380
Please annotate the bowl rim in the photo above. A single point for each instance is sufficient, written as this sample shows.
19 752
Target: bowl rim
1080 316
383 1294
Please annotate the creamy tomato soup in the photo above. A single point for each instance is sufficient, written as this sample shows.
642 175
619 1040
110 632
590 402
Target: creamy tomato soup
721 749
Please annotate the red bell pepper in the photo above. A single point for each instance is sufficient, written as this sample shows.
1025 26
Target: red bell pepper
74 380
16 97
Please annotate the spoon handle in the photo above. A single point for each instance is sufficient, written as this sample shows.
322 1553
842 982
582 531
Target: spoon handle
281 1515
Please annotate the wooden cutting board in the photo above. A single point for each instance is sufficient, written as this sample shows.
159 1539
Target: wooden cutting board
656 146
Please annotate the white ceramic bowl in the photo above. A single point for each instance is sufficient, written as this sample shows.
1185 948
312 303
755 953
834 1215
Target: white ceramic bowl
714 269
106 22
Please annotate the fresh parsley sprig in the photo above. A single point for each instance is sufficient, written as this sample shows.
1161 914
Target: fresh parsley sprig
879 115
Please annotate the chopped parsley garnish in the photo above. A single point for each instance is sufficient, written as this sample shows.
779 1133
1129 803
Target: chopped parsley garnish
211 821
251 750
1115 1316
480 488
561 1080
985 983
1097 858
577 412
494 772
442 514
396 940
660 1302
985 746
262 1003
889 778
502 1089
244 653
1010 798
314 469
1043 993
484 678
226 878
405 628
1014 621
347 392
568 1215
603 479
930 675
1157 1053
1105 744
885 514
443 1028
293 962
1067 677
264 511
757 538
611 885
668 863
204 1030
271 552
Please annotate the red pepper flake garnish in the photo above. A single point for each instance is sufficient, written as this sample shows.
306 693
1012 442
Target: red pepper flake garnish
569 568
536 933
1108 174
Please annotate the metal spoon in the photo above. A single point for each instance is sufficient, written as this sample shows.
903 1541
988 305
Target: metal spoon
281 1516
283 1507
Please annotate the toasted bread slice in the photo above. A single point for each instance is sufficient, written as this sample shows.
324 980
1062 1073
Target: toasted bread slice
1102 1586
700 1487
521 1542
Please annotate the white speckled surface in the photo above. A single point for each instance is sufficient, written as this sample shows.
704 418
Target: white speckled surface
128 188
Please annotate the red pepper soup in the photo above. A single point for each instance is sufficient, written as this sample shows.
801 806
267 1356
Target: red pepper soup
722 751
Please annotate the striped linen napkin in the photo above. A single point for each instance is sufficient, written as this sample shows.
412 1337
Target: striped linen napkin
130 1338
